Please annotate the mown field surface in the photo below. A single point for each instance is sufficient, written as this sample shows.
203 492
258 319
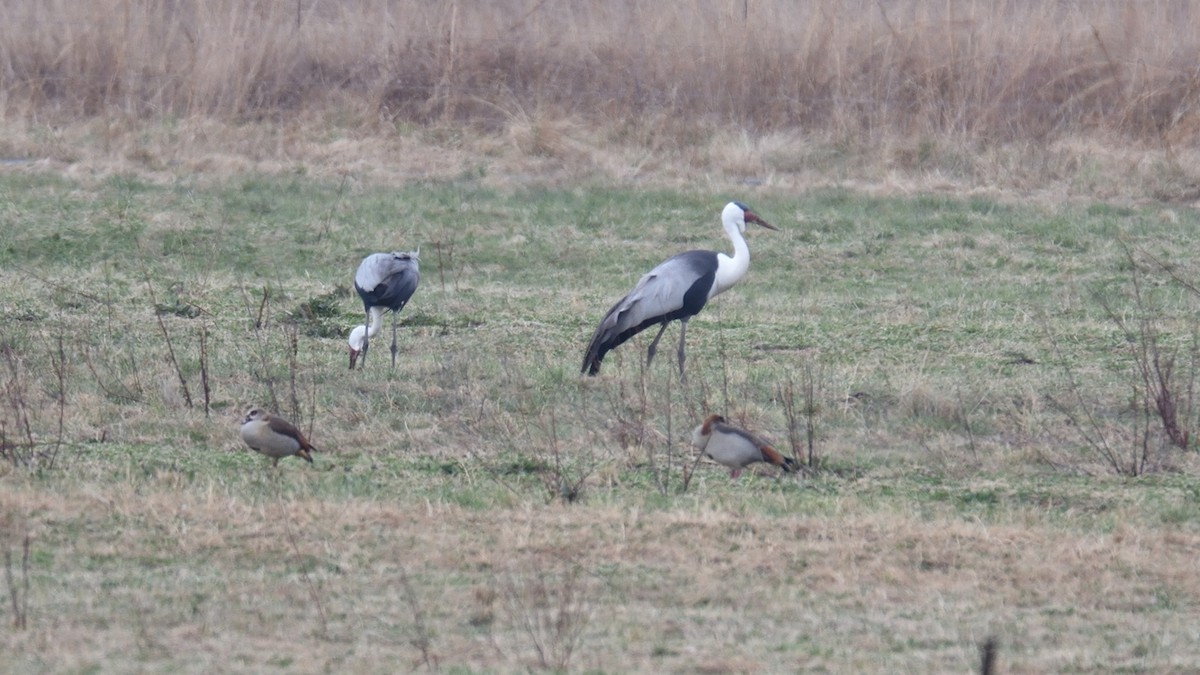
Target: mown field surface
484 508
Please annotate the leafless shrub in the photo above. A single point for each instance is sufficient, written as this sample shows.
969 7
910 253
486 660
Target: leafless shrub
1162 383
261 343
23 403
20 451
552 608
562 481
422 637
803 443
1171 399
1124 453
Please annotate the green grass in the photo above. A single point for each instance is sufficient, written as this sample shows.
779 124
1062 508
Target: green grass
956 499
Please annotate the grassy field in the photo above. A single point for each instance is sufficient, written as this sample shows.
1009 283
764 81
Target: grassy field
484 508
976 328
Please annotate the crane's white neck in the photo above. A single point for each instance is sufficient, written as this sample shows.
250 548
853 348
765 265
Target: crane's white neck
361 333
731 269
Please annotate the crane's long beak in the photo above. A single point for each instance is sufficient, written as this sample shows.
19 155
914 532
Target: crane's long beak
751 218
353 357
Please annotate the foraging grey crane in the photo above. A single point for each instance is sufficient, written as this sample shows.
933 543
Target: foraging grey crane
384 281
677 288
274 436
734 447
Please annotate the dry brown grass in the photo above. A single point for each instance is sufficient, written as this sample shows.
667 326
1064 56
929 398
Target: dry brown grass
205 580
986 93
990 70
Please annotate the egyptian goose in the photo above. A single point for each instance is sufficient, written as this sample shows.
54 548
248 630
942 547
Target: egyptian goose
734 447
274 436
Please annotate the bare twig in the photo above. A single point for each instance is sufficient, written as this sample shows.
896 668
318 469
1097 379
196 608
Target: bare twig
292 332
58 359
18 595
1088 426
805 448
15 391
162 326
564 486
204 382
333 207
553 610
260 343
422 637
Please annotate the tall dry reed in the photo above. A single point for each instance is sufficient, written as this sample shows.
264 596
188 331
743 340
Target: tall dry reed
991 71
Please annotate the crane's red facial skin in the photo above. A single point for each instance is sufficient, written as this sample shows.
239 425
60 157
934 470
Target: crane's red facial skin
751 218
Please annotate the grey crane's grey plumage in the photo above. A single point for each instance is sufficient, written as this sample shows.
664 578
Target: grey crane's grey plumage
384 281
734 447
274 436
677 288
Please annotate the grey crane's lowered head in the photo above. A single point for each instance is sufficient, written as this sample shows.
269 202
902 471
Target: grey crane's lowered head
274 436
735 448
384 281
677 288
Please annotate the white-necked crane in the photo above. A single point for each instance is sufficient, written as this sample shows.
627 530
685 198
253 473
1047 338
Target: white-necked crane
734 447
677 288
274 436
384 281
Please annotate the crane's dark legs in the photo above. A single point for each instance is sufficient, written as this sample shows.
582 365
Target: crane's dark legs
394 313
366 342
654 344
682 356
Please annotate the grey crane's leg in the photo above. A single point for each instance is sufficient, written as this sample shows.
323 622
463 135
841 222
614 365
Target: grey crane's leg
394 313
654 344
366 342
682 356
